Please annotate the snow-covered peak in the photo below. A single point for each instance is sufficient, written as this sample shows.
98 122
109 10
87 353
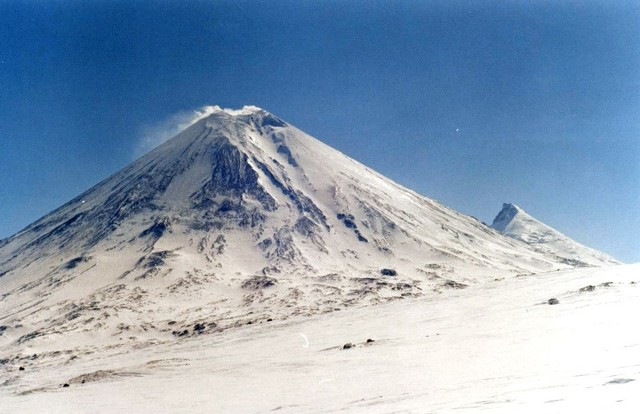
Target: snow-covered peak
245 110
250 115
516 223
209 110
506 215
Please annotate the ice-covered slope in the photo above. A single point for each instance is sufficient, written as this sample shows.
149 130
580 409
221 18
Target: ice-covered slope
239 219
514 222
495 347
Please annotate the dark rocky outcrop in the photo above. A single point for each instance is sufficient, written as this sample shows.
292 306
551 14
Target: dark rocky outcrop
73 263
232 176
454 285
155 259
157 229
349 222
388 272
284 150
258 282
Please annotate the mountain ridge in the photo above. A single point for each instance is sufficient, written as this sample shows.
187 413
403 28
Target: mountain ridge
515 222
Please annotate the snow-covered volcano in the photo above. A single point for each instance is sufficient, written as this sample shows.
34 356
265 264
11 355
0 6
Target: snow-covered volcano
514 222
241 218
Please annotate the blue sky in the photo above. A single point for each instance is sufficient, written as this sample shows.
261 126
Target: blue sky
471 103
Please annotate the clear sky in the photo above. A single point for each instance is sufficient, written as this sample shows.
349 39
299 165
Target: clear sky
472 103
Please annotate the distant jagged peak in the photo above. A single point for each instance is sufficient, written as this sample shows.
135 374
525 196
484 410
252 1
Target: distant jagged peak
514 222
505 216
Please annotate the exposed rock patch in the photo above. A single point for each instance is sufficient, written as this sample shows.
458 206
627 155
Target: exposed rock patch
258 282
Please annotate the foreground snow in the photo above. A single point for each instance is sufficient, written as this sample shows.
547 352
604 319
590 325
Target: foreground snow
496 346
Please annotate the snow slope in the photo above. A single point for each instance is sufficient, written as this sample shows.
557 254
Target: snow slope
496 346
514 222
